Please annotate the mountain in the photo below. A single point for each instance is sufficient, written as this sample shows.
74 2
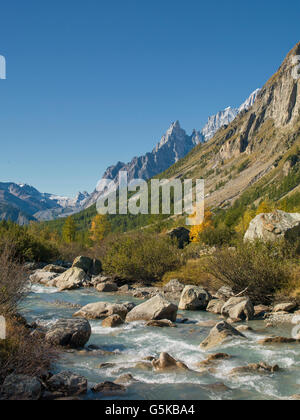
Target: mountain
258 154
173 146
23 203
225 117
255 157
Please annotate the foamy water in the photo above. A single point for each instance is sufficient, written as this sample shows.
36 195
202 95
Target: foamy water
132 343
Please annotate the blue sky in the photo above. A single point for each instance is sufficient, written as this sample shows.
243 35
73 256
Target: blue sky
93 82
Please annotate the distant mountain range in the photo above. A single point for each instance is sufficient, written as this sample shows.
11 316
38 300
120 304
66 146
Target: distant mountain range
23 203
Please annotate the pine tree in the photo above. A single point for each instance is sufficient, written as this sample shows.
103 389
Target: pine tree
69 230
100 228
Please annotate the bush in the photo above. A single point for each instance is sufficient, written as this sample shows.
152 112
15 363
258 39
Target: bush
26 246
20 352
219 236
141 256
259 268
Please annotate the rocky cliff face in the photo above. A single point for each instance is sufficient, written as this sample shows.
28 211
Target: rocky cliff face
258 149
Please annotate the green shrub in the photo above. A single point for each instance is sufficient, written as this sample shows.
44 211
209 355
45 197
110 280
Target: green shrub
141 256
259 269
26 246
222 235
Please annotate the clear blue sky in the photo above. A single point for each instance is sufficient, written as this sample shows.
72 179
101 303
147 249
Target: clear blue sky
93 82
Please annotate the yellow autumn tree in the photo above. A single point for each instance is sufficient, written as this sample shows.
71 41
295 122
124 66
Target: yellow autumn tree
265 207
100 228
198 229
243 225
69 230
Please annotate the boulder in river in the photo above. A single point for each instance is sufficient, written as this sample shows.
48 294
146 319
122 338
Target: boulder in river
101 310
278 340
21 388
67 383
156 308
255 368
167 362
161 323
239 308
107 287
220 334
88 265
112 321
108 388
45 278
224 293
74 278
215 306
73 333
174 286
194 298
272 226
285 307
51 268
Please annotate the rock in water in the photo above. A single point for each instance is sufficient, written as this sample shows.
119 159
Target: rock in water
107 287
272 226
285 307
74 278
68 383
73 333
238 308
220 334
21 388
101 310
194 298
157 308
112 321
166 362
108 388
215 306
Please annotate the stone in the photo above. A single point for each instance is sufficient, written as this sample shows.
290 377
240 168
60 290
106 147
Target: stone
181 235
220 334
112 321
51 268
157 308
214 359
108 388
278 340
217 387
74 278
161 323
101 310
174 286
167 362
285 307
194 298
21 388
69 333
239 308
146 366
244 328
68 383
125 379
96 267
260 311
43 277
107 287
255 368
106 365
272 226
215 306
84 263
224 293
